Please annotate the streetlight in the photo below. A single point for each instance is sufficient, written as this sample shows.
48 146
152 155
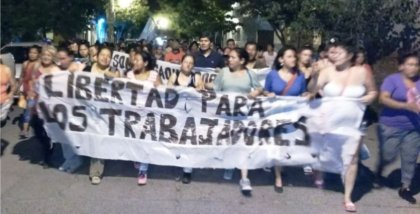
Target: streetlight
162 23
124 3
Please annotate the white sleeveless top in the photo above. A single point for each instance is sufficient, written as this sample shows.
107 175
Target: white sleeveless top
152 76
333 89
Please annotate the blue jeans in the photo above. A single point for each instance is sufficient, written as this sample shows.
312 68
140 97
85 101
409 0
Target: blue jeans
30 103
144 167
393 141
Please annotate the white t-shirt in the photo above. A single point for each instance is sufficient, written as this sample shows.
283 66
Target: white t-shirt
152 76
269 59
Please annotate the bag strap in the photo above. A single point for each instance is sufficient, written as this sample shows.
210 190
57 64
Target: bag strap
289 84
249 75
251 79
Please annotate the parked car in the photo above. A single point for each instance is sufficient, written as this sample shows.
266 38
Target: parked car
14 54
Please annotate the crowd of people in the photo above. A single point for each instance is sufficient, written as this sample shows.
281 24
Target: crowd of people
337 70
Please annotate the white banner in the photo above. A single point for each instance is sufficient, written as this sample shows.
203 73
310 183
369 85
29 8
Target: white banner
130 120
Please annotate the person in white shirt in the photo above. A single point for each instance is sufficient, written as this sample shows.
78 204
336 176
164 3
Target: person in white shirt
269 55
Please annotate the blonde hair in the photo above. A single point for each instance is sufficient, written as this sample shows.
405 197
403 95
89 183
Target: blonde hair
51 50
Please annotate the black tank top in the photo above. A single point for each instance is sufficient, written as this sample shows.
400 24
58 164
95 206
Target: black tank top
190 84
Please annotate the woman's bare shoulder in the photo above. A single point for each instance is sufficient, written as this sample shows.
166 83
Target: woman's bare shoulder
359 70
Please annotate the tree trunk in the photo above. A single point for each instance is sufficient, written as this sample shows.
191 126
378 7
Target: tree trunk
279 33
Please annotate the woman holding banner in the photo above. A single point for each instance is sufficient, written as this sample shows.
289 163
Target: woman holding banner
101 67
143 65
186 78
399 121
45 66
284 80
237 78
346 80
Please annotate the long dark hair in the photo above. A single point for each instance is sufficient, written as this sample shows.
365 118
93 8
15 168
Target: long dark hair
277 65
151 62
349 45
242 54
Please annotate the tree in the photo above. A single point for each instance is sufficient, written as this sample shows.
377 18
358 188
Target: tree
190 18
132 19
31 19
382 26
281 14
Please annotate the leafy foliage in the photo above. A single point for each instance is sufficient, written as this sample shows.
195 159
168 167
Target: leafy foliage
382 26
31 19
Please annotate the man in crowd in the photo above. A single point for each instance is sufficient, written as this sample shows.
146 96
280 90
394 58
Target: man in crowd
176 54
269 55
206 57
251 48
230 43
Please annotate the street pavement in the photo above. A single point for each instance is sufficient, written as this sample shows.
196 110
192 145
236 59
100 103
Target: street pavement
28 188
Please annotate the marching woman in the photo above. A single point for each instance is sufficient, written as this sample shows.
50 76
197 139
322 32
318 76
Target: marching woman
46 66
346 80
238 78
399 121
284 80
101 67
305 62
186 78
143 65
27 70
103 64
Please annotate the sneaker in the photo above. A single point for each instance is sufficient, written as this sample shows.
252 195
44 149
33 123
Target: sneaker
61 168
95 180
75 163
65 166
186 178
228 175
407 195
308 170
245 186
142 178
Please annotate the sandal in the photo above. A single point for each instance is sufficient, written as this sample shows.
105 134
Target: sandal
349 207
278 188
